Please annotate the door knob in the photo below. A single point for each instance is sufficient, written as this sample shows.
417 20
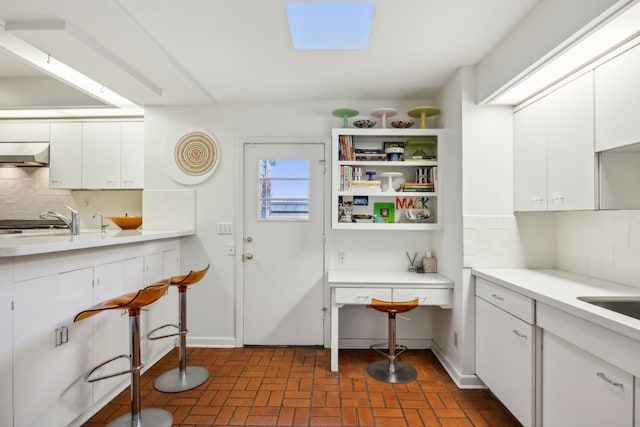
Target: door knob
248 255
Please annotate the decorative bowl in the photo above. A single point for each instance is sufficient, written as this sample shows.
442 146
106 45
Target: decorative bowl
364 123
363 218
127 222
402 124
418 215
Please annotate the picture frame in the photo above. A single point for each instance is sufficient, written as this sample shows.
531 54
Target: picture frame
384 212
360 200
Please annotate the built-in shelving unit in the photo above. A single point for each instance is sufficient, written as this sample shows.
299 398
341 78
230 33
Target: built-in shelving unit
362 169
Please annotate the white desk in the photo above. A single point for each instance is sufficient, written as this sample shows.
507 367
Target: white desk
358 287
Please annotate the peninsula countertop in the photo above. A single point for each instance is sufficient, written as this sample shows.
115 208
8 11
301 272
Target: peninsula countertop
39 242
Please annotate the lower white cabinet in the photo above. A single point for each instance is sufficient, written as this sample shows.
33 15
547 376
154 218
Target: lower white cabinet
580 389
505 351
51 352
6 339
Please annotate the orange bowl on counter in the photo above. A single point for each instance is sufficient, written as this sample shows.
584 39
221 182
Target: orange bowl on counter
126 222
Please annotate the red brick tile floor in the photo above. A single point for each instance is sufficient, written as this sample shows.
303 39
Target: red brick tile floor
293 386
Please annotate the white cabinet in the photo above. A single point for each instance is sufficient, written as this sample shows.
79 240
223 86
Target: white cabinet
580 389
97 155
505 347
24 131
101 155
6 364
554 160
110 329
51 352
617 104
65 155
362 198
132 155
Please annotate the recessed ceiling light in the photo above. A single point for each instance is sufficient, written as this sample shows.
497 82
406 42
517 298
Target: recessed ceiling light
330 25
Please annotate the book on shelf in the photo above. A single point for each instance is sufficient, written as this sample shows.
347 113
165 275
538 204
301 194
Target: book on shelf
345 148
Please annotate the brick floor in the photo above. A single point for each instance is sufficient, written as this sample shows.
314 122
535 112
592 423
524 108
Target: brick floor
293 386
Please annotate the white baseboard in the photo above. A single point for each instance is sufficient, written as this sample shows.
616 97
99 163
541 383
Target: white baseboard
463 381
221 342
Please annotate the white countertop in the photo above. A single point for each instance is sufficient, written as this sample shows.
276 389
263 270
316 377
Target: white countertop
560 289
386 278
40 242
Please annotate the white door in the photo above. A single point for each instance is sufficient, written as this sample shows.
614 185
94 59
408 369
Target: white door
283 252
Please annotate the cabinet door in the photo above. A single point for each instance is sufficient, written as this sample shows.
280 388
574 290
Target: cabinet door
618 101
579 389
49 387
101 155
132 155
571 160
65 152
154 317
6 366
171 267
505 358
111 332
530 158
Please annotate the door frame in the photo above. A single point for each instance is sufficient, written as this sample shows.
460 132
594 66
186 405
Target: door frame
239 229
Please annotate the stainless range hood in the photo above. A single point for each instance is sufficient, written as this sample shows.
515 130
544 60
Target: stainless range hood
24 154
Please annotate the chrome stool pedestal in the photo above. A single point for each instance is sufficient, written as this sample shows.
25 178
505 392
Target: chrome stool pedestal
183 377
391 370
151 417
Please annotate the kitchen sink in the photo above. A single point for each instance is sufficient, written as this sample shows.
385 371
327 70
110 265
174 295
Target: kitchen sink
629 305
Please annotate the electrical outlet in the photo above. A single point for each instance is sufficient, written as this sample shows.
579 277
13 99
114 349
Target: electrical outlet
340 257
231 249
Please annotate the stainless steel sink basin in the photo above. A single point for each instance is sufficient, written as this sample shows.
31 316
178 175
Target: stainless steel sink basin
629 306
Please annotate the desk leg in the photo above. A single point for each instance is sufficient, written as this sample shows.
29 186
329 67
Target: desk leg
334 335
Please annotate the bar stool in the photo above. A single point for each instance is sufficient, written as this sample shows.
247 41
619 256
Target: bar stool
133 303
183 377
390 370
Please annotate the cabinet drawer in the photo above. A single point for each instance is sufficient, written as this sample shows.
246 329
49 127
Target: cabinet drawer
518 305
425 296
361 295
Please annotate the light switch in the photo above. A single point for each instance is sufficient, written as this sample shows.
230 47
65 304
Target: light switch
225 228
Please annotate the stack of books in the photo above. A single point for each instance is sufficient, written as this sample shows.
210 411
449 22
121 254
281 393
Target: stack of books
418 187
370 154
345 148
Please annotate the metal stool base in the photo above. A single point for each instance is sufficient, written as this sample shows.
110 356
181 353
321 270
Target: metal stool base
381 370
151 417
172 382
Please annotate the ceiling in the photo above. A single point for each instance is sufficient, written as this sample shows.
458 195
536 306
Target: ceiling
193 52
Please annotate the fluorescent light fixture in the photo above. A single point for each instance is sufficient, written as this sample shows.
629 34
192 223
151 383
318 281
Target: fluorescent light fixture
56 69
585 51
330 25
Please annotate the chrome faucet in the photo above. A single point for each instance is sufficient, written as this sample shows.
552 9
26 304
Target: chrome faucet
73 223
103 226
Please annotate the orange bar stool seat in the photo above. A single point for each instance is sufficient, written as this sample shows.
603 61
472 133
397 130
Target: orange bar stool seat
133 303
391 370
183 377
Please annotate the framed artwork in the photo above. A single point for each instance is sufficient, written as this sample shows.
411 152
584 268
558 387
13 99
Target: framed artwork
383 212
360 200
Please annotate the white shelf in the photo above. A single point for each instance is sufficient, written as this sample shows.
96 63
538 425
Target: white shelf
374 138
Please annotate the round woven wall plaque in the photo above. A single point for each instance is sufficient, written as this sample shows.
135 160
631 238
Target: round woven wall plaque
196 154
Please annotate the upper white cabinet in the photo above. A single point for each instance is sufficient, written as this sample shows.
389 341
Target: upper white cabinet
617 89
65 155
24 131
112 155
554 159
97 155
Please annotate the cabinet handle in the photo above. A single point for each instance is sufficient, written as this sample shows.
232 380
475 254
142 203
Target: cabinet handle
62 336
521 335
56 181
609 380
557 198
498 297
538 199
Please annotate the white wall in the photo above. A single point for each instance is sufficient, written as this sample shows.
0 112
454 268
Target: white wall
212 304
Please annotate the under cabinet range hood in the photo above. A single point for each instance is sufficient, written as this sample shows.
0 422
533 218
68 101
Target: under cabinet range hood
24 154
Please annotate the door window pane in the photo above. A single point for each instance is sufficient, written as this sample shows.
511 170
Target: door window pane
283 190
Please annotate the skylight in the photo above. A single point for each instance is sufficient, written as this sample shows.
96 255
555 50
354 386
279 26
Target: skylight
330 25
